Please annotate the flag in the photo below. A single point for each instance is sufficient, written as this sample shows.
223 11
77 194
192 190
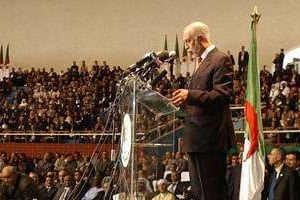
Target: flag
166 43
253 166
7 56
1 55
177 48
184 53
177 58
185 61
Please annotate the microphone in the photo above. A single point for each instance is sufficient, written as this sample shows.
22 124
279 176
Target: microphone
146 58
161 57
166 56
158 77
150 61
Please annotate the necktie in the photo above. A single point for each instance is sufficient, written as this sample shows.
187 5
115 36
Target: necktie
173 187
272 187
64 194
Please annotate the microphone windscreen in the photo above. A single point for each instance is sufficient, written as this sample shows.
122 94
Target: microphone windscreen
162 55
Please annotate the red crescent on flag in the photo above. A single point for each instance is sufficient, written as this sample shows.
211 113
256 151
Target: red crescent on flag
251 117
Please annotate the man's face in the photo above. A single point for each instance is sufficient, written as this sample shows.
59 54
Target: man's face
4 157
234 160
162 187
61 176
68 181
175 177
104 155
192 43
77 176
291 161
273 157
34 177
49 181
9 179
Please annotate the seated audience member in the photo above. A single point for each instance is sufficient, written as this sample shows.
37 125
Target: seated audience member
34 177
177 187
143 192
70 164
142 177
81 185
103 165
173 168
107 192
17 185
164 194
45 164
3 159
94 190
65 192
61 176
49 189
181 162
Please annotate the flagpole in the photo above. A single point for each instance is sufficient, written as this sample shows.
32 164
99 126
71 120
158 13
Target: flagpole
253 165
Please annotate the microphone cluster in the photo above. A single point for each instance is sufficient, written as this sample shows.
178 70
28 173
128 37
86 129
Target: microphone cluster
144 67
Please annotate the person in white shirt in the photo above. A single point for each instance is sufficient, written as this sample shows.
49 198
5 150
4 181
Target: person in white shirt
164 194
94 190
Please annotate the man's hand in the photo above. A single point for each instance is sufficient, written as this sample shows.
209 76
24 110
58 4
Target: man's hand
179 97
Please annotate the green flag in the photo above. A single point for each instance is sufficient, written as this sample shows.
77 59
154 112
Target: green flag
166 43
177 58
1 55
177 48
7 56
253 167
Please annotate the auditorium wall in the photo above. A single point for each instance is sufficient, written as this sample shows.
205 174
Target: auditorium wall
53 33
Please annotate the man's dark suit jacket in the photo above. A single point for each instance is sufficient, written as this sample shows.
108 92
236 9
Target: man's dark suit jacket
243 62
24 189
209 126
287 185
49 194
181 187
234 181
61 190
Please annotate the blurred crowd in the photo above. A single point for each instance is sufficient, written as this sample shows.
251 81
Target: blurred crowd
75 176
72 176
78 99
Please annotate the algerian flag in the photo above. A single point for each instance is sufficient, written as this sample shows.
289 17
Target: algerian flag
1 55
7 56
253 166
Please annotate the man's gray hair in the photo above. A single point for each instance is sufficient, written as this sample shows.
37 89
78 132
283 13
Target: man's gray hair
198 29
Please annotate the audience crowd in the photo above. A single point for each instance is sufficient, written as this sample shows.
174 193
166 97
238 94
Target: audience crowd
74 176
78 99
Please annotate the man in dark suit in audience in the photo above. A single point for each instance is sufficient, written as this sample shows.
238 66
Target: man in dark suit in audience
177 187
49 190
243 60
283 182
234 178
65 191
208 131
18 186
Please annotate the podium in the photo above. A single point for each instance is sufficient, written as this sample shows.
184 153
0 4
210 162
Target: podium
142 110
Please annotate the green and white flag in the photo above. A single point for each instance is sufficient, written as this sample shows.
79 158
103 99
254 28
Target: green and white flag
177 58
253 166
166 43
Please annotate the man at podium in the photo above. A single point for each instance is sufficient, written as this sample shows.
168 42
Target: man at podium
208 131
